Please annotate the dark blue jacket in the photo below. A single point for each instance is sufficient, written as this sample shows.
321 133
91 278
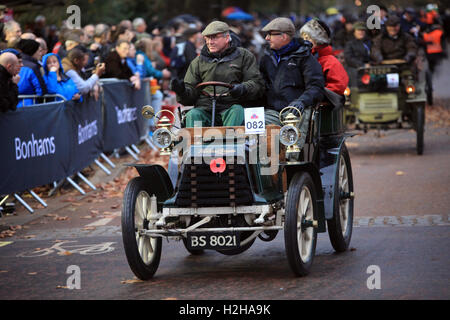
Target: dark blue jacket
31 80
294 78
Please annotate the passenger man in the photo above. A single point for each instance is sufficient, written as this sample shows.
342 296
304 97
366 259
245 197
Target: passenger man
220 60
293 75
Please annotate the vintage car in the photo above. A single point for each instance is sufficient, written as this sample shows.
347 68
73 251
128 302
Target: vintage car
388 96
232 190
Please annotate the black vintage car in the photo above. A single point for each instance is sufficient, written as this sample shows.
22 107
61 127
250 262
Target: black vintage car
227 193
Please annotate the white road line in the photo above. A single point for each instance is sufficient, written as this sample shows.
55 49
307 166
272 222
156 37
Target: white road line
101 222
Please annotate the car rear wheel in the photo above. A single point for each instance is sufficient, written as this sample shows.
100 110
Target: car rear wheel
340 227
139 209
420 128
300 236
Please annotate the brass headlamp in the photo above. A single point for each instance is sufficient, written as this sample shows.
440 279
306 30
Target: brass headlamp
290 132
163 137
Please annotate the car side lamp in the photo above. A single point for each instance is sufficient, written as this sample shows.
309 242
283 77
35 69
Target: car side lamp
410 89
290 133
347 92
163 136
365 79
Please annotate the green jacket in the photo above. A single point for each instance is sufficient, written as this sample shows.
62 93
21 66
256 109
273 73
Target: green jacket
235 65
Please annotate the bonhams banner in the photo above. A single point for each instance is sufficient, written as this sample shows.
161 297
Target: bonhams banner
124 124
35 143
50 142
86 120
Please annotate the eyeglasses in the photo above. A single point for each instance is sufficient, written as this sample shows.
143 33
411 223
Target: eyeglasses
214 37
271 34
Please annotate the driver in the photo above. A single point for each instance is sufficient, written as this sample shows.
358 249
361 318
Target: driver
220 60
394 44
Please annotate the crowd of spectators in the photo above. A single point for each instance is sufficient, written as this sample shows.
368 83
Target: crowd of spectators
70 62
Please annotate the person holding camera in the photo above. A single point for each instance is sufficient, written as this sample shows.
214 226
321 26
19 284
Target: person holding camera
74 64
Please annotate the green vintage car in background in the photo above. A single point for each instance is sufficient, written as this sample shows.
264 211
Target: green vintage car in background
388 96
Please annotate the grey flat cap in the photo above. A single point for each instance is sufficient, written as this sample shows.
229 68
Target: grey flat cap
284 25
215 27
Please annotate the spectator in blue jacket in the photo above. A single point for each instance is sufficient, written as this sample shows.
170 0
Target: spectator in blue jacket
57 81
31 80
142 58
133 64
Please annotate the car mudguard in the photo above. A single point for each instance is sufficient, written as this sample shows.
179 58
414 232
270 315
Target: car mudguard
157 177
330 149
292 168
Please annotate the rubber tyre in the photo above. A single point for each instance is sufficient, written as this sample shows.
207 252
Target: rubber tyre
299 266
420 128
239 250
194 252
339 241
429 87
140 269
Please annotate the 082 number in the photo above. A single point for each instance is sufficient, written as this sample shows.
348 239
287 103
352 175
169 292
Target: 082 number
255 125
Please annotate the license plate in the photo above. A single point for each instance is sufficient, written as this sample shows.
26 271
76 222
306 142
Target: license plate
213 240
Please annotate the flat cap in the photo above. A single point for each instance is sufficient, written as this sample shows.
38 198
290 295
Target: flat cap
215 27
359 25
284 25
392 20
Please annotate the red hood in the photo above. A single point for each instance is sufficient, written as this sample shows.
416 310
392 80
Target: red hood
324 50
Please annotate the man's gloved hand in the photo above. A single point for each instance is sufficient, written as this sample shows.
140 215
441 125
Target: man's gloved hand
238 91
299 106
178 86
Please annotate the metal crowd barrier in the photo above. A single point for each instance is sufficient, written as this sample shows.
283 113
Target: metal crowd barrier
132 150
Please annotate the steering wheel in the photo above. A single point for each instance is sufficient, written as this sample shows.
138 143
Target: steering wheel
214 84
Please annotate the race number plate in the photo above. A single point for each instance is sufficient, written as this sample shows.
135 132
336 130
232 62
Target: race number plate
392 80
255 122
213 240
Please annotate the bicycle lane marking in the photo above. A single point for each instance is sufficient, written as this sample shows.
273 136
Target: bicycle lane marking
62 248
5 243
104 221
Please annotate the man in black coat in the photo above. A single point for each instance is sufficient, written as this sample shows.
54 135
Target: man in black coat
184 53
357 52
292 74
9 68
117 67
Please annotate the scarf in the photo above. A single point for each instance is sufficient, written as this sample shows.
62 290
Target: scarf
291 46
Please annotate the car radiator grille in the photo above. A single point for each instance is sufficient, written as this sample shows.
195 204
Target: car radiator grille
200 187
378 103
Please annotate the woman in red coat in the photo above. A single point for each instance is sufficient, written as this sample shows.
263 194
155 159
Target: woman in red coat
318 33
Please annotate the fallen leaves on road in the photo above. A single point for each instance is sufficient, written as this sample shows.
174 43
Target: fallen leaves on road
88 228
439 113
31 236
4 271
399 173
131 281
32 273
10 232
62 287
65 253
